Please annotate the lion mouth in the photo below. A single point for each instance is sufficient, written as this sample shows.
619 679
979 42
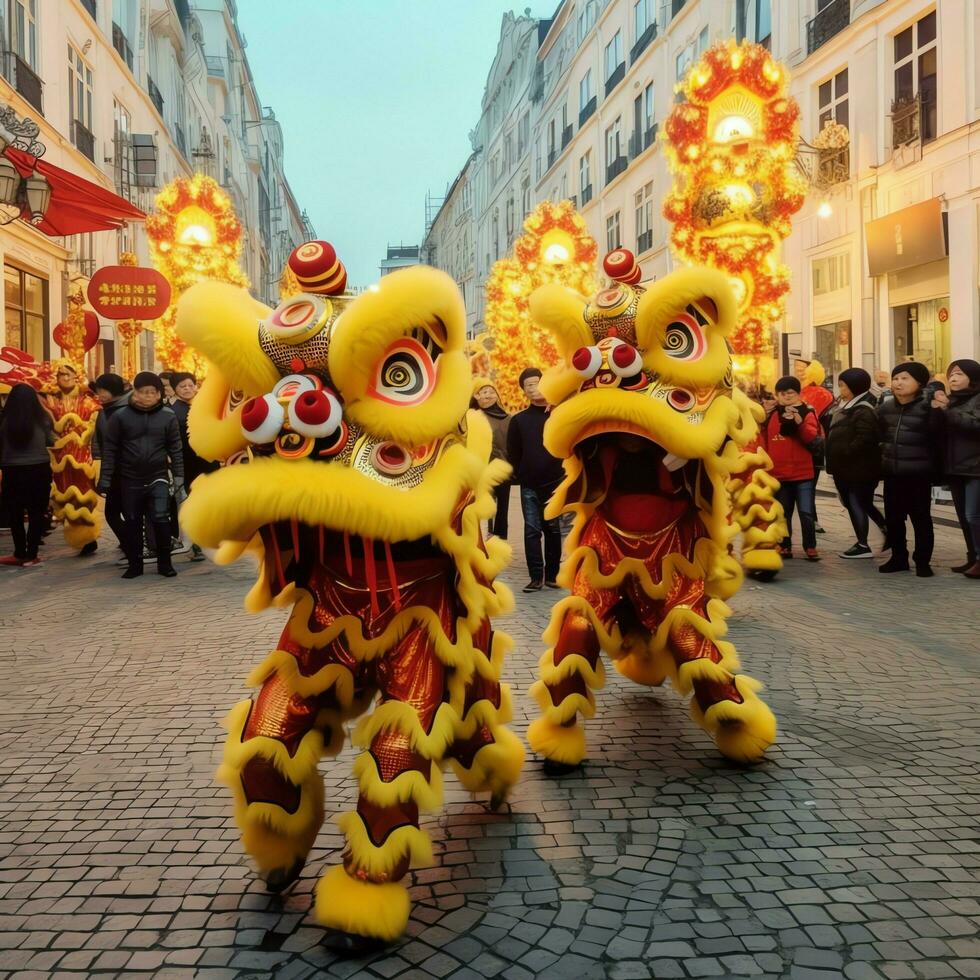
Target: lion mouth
305 555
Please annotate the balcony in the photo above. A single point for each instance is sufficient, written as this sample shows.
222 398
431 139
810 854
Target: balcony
121 44
828 22
156 96
650 136
614 169
616 77
24 80
643 42
89 5
644 241
641 141
834 166
913 119
83 139
586 195
587 110
552 157
566 136
216 66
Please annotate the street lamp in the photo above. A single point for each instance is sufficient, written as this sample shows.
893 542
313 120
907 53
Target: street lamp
18 194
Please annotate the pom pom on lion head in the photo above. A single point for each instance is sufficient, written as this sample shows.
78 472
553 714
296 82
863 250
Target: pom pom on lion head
651 362
338 404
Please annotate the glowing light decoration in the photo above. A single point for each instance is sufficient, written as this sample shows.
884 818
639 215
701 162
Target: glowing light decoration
194 234
730 146
555 247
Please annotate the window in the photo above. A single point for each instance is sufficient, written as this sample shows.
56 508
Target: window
523 134
753 21
648 113
526 195
496 233
831 273
916 56
23 30
510 216
703 38
614 54
508 152
614 141
80 103
642 17
586 19
643 205
551 142
26 312
683 61
584 171
585 90
832 100
613 240
122 150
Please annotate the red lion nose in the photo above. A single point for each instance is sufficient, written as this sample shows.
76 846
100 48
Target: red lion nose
313 407
254 413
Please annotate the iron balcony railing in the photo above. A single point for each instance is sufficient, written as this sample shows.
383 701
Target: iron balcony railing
552 157
121 43
156 96
89 5
24 80
650 136
616 77
586 193
179 139
834 166
566 136
643 42
614 169
830 21
83 139
676 6
587 110
906 115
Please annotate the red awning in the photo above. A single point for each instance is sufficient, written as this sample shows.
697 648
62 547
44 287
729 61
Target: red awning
77 205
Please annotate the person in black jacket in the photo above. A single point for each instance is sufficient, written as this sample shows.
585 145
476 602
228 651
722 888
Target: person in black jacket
143 444
853 457
110 390
538 473
961 459
909 429
185 388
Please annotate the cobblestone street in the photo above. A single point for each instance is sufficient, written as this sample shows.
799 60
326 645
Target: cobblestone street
851 852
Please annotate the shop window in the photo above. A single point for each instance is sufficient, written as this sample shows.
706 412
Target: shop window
922 333
831 273
26 312
833 346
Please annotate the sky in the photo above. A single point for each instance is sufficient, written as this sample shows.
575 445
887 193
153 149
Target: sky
376 99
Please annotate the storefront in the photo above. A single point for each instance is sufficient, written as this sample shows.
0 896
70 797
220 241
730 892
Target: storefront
909 249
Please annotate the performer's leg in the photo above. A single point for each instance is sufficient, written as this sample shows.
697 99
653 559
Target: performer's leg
398 775
486 756
270 764
725 704
159 503
132 497
567 676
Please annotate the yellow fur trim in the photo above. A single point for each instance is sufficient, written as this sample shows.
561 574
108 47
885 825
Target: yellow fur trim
642 669
214 434
551 673
743 731
562 743
495 767
383 860
284 664
409 785
759 560
571 705
361 908
272 850
403 718
77 535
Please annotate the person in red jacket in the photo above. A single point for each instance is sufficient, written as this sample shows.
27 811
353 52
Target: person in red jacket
811 375
790 429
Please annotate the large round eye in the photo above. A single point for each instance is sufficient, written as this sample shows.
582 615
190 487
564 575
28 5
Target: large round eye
316 414
406 375
685 338
681 399
298 318
625 361
587 361
262 419
293 384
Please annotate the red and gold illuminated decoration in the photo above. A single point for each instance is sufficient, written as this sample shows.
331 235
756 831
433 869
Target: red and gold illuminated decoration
732 146
555 247
194 234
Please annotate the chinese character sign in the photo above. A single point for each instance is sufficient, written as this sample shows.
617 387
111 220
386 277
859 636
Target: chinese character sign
120 292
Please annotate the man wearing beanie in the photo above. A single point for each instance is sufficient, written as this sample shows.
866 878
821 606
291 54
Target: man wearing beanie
110 390
853 456
910 430
142 445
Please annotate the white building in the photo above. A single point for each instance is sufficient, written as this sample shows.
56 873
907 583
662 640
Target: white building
130 94
449 240
903 76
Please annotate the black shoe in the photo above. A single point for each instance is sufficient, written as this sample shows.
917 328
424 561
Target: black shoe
552 584
280 879
553 768
89 549
857 551
167 571
197 554
965 567
819 529
349 945
924 571
894 565
535 585
132 572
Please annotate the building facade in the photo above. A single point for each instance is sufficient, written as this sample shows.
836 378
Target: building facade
888 267
130 94
449 240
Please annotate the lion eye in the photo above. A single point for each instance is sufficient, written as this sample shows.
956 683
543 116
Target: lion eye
685 338
587 361
625 361
262 419
406 374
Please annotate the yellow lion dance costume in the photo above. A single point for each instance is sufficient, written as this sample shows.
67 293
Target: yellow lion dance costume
356 476
652 430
